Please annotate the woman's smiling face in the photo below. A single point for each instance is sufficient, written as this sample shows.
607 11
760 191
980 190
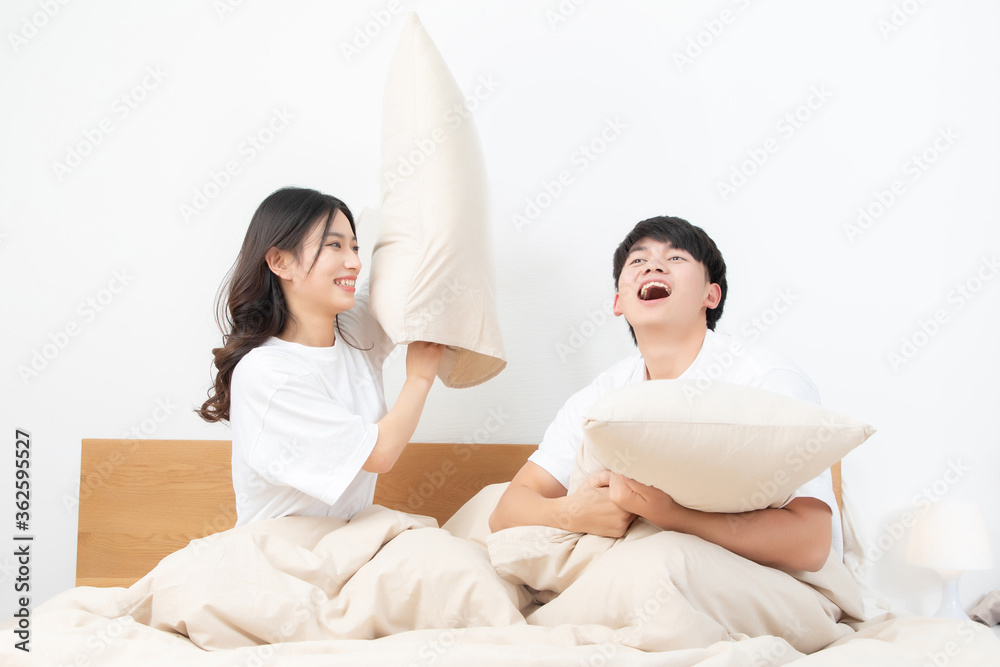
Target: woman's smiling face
322 276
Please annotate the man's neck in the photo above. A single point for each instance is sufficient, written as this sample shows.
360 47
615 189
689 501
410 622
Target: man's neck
668 356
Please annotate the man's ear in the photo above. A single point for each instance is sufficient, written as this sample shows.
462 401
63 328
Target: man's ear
714 296
279 263
616 308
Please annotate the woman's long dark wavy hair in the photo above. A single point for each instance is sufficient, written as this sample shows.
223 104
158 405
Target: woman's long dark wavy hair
255 307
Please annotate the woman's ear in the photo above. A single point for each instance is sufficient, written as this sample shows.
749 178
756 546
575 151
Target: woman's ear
279 262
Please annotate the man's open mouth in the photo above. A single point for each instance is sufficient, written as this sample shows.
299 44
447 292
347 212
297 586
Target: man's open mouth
654 290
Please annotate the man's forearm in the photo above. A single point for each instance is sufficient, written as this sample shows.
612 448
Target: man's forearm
796 537
521 506
587 510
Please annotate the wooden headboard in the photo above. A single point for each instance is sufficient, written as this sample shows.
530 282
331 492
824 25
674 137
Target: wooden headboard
141 500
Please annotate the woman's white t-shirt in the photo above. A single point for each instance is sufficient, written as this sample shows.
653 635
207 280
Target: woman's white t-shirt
304 421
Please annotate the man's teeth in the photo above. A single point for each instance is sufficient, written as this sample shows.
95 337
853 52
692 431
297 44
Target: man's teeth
644 291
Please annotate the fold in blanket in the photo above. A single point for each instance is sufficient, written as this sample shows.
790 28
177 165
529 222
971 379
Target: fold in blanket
313 578
987 610
668 591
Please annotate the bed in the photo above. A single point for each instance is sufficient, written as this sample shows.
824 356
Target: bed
155 530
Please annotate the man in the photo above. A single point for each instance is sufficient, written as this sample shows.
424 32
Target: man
671 287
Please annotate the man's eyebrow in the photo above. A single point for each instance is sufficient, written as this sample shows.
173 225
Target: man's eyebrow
642 248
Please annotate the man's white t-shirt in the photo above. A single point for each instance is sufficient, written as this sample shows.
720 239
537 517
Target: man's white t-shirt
304 421
722 358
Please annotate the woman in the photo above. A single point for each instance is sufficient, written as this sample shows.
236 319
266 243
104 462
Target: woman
300 370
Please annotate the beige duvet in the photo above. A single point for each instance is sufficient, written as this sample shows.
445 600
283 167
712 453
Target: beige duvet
389 588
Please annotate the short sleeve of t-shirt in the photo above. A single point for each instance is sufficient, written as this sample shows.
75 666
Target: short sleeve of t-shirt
563 436
309 442
556 453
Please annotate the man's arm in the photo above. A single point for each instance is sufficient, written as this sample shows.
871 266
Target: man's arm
535 498
794 537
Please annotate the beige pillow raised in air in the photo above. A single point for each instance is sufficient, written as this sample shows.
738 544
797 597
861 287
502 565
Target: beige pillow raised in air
716 448
432 275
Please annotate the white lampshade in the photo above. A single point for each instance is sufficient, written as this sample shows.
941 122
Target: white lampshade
951 536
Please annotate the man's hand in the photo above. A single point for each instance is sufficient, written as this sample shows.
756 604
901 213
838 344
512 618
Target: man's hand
590 509
536 498
648 502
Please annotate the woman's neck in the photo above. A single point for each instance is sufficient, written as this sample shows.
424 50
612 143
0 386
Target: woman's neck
311 332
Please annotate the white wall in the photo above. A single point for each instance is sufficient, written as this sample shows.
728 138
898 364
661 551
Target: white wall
112 228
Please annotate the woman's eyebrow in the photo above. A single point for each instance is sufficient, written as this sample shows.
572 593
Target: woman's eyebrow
340 236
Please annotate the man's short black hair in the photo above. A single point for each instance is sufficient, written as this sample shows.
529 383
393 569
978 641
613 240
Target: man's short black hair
682 235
